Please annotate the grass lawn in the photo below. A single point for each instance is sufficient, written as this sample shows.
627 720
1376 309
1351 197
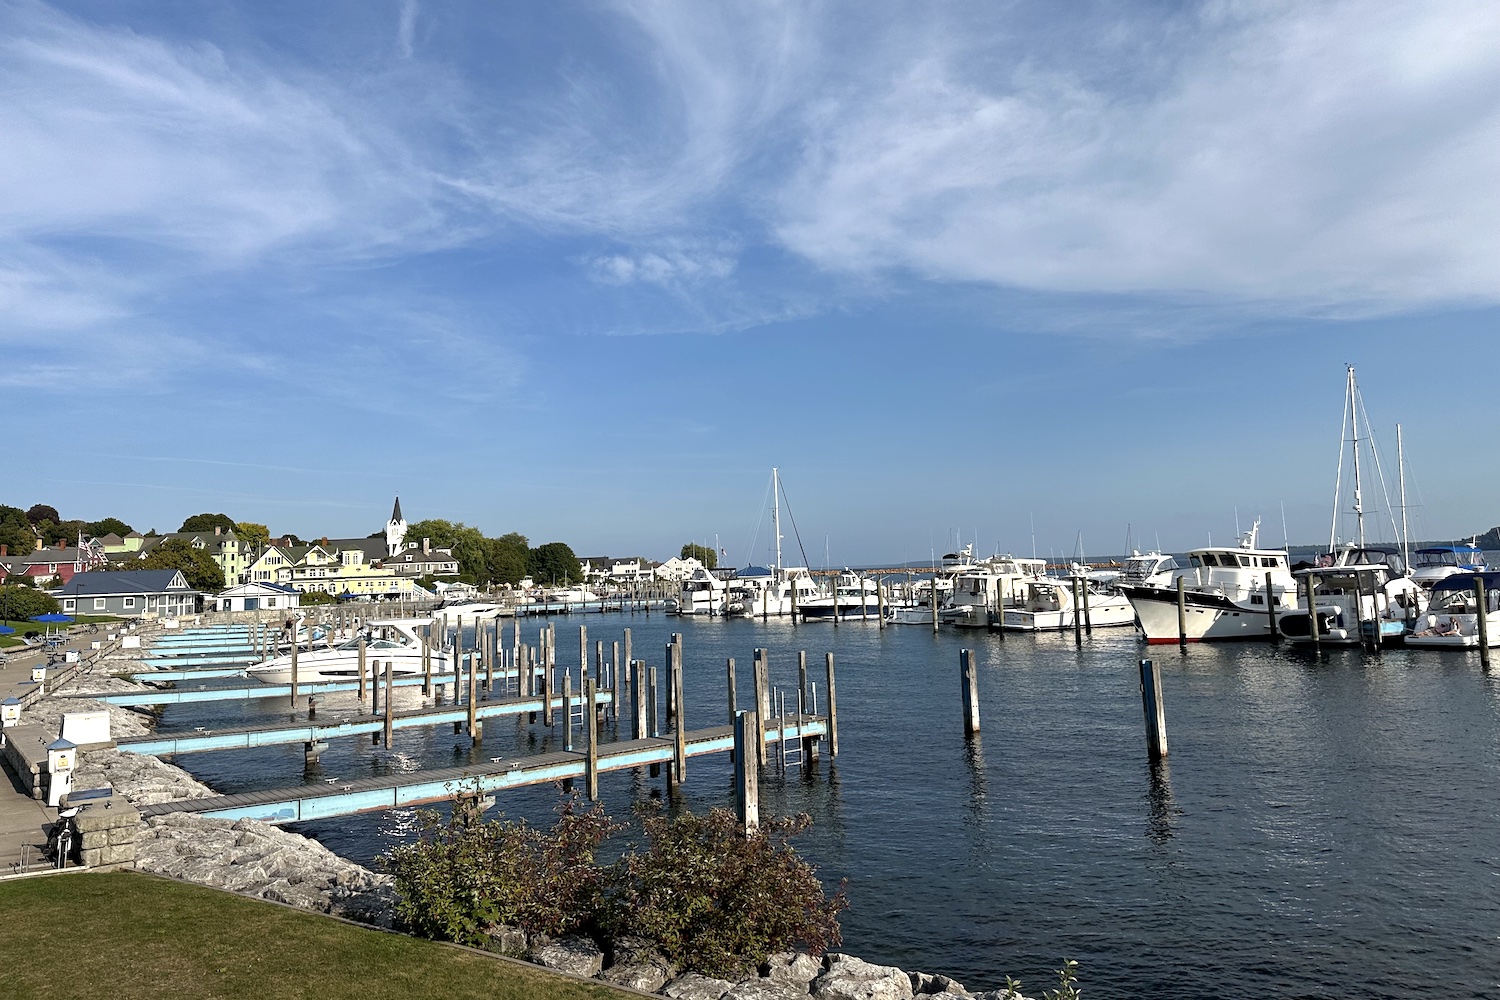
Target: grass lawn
24 626
126 936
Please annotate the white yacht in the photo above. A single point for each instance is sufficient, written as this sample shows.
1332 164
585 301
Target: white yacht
1439 562
1452 619
569 595
1047 604
395 640
1352 589
701 594
982 590
761 591
467 613
854 598
1225 594
1151 569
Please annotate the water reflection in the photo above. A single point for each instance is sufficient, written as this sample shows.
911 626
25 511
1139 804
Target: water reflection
1160 810
975 812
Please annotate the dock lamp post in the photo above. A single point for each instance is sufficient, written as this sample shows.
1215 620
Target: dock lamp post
62 757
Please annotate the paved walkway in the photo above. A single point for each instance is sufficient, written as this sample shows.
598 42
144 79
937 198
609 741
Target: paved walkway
24 820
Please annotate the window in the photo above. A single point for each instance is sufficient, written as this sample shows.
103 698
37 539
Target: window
98 604
130 602
69 604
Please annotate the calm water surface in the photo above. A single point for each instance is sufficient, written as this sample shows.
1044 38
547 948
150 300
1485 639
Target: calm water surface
1323 829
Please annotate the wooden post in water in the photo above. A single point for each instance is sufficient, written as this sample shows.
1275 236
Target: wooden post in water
1271 610
880 600
1182 613
802 675
1481 620
1088 618
390 688
679 742
638 697
617 665
591 762
833 712
361 671
746 775
601 681
794 601
546 687
761 694
1155 711
674 708
651 709
969 689
1312 614
294 665
567 679
629 653
474 697
934 602
1077 617
729 670
583 655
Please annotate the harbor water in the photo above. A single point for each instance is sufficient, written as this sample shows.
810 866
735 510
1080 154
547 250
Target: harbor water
1321 828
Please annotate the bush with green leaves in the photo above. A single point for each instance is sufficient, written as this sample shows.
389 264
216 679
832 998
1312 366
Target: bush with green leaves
718 902
19 603
707 897
466 875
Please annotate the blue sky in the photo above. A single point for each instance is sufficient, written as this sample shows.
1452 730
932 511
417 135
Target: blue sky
588 270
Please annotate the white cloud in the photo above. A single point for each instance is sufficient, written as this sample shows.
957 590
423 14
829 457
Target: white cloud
406 27
669 268
1305 156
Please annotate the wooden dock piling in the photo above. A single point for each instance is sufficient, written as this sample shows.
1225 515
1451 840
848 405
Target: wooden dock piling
1182 613
1077 615
969 690
473 720
638 698
833 714
746 774
1271 610
762 693
1155 711
294 666
361 671
729 671
617 665
390 701
1312 614
1481 619
591 763
679 734
567 679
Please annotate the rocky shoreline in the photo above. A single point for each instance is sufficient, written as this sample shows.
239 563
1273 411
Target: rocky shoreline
263 861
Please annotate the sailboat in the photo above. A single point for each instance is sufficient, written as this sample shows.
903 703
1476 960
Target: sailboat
1362 592
770 591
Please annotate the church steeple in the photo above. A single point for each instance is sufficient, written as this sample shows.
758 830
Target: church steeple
395 530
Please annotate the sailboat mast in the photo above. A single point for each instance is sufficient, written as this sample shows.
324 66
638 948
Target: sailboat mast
776 515
1359 510
1401 474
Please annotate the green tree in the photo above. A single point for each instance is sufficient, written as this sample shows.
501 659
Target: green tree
18 603
505 558
208 522
702 553
467 544
107 526
15 530
198 567
252 535
554 562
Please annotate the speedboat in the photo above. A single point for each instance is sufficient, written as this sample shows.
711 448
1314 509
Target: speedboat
393 640
1226 594
1430 565
853 597
1357 591
1452 618
1047 605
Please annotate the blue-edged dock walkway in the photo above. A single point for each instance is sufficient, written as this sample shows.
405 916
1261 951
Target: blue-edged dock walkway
310 802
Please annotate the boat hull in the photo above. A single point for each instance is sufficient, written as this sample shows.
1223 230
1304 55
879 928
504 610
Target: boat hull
336 665
1210 617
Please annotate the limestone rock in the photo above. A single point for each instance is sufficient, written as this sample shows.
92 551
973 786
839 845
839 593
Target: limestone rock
505 939
850 978
924 984
570 953
763 989
691 986
647 976
792 968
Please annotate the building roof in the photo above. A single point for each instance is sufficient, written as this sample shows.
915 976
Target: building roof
135 581
396 513
254 589
63 555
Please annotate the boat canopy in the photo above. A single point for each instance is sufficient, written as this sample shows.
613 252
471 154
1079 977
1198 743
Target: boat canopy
1449 555
754 571
1465 581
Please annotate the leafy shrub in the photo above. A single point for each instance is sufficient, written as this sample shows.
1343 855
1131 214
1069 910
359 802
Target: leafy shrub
718 902
19 603
708 898
466 875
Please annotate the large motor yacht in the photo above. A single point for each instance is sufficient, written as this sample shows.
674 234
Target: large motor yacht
1357 591
1226 594
393 640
